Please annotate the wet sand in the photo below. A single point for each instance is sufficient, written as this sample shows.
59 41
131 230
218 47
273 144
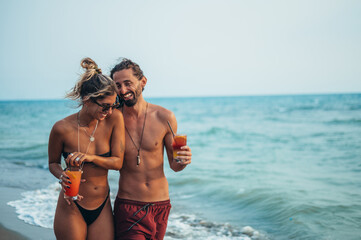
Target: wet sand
7 234
12 227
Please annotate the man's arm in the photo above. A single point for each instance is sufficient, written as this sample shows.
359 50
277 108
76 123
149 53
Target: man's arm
184 155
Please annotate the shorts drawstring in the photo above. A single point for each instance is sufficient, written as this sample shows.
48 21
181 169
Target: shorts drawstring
145 207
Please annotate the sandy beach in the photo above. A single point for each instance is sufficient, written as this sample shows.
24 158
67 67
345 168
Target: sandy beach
13 228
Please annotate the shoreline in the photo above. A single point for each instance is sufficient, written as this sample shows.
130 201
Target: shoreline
11 227
8 234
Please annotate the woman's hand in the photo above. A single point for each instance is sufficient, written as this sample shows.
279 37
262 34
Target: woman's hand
69 200
77 158
64 181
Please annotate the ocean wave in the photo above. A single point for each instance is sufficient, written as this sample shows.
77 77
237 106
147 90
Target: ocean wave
38 207
284 109
218 131
22 146
224 134
305 108
355 107
183 226
37 164
353 121
187 181
24 152
316 106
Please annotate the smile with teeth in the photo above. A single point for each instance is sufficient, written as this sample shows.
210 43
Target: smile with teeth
127 95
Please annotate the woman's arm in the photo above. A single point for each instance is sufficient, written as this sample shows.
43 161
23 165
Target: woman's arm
55 148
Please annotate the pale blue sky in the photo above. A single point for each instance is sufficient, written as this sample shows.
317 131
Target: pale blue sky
186 48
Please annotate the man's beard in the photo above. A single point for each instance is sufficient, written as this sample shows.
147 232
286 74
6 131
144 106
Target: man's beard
132 102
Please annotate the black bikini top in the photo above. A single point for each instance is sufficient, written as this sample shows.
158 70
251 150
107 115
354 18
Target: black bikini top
66 154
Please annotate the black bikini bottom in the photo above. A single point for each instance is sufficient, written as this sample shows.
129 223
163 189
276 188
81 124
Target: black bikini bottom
91 215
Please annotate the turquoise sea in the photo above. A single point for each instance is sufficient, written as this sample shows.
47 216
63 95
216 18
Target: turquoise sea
263 167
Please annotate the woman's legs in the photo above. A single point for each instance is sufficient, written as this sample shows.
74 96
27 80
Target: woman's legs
103 226
68 222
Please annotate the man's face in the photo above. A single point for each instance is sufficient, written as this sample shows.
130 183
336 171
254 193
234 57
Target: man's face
130 87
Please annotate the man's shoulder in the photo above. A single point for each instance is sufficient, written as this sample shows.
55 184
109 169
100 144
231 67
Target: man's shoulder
161 112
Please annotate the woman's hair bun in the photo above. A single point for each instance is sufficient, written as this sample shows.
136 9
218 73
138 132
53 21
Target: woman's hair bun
88 63
92 83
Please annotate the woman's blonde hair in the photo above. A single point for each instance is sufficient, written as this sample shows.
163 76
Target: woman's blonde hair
92 84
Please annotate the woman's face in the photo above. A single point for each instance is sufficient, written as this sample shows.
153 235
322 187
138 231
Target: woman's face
101 108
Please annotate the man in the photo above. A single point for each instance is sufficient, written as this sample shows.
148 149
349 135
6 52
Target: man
142 205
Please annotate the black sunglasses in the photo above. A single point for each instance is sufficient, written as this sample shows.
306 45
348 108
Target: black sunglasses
106 107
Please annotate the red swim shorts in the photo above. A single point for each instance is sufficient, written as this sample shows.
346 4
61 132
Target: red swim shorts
140 220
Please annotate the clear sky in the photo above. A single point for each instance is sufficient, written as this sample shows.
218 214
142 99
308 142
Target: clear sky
185 48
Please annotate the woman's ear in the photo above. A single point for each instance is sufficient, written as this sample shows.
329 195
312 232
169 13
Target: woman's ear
86 103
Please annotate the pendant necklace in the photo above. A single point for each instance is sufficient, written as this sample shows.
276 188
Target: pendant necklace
141 136
91 137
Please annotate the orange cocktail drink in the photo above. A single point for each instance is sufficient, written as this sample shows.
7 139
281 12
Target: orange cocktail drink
74 178
179 141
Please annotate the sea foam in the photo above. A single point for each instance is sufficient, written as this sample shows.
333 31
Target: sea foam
38 208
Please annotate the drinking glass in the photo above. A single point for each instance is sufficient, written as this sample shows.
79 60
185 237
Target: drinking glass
74 178
179 141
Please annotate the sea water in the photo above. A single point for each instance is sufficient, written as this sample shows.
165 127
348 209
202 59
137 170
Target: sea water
263 167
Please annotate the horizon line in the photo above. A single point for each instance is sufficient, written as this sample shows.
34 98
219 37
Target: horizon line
205 96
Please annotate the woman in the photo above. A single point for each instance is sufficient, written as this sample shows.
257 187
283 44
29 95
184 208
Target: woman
94 139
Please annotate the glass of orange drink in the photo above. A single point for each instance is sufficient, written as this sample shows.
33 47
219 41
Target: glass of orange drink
179 141
74 178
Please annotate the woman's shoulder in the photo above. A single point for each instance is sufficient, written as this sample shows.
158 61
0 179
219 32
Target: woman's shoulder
116 116
64 125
